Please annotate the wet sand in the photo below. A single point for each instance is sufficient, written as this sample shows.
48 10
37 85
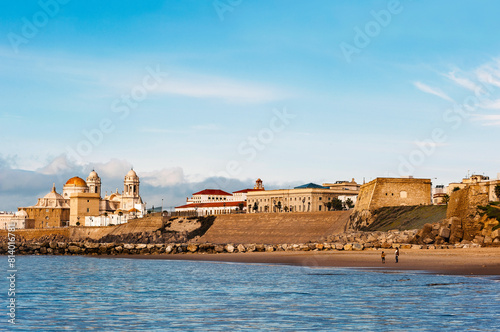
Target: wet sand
477 261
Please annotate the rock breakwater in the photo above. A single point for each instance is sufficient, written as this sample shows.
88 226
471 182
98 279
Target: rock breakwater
346 241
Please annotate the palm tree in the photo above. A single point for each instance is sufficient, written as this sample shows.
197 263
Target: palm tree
446 199
337 204
497 191
349 203
255 207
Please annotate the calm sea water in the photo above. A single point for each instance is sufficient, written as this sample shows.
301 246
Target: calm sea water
84 293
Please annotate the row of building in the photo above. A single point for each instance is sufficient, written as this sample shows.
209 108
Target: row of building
306 198
81 204
312 197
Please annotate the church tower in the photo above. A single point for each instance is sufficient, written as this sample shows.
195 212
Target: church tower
94 183
131 184
258 185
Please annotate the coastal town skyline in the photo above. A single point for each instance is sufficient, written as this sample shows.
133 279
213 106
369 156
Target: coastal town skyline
372 94
234 165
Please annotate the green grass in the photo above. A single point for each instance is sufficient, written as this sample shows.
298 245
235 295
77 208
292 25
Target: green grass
406 217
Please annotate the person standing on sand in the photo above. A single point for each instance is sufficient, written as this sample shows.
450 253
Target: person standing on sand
397 254
383 257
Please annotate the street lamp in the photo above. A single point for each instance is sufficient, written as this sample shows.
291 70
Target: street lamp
162 206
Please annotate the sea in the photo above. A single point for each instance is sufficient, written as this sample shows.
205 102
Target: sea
78 293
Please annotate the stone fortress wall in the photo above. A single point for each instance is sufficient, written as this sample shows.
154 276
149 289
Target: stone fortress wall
385 192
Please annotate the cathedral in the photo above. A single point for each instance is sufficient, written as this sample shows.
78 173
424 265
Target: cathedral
81 200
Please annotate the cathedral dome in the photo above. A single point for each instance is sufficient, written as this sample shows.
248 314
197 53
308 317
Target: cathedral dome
21 214
132 174
53 194
76 182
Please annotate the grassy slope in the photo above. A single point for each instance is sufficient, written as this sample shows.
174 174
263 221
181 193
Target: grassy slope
406 217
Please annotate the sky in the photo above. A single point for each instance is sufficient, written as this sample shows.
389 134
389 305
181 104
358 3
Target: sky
215 94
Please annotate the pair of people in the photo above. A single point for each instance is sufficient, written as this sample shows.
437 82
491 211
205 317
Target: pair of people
396 254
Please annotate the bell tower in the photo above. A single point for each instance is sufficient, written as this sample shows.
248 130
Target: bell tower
131 184
94 183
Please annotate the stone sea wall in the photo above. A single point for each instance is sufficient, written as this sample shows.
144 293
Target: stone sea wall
346 241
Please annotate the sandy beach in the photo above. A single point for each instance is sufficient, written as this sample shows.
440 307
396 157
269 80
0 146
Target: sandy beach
477 261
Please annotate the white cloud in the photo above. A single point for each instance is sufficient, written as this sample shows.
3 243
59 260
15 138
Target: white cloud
59 164
164 177
489 119
433 91
152 130
489 76
491 104
431 144
115 168
219 88
208 126
463 82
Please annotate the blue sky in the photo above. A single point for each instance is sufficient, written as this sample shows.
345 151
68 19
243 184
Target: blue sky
288 91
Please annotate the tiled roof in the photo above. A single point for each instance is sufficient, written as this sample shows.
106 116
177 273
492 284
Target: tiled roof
213 192
310 185
209 205
246 190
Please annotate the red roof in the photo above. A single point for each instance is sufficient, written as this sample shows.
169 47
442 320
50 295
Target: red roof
208 205
213 192
244 191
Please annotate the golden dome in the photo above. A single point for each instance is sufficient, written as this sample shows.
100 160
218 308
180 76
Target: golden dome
76 182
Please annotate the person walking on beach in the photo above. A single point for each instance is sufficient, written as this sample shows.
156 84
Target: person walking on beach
383 257
397 254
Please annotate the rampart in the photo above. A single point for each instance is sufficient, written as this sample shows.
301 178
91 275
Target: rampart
386 192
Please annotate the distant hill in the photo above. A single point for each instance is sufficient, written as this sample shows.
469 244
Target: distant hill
405 217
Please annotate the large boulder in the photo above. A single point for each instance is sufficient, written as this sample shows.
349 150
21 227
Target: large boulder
241 248
192 247
348 246
219 248
229 248
357 246
74 249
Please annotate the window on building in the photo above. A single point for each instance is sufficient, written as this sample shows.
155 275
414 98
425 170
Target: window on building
88 201
88 210
320 207
320 200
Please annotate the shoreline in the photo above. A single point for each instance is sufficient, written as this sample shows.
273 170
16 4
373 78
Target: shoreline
465 262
